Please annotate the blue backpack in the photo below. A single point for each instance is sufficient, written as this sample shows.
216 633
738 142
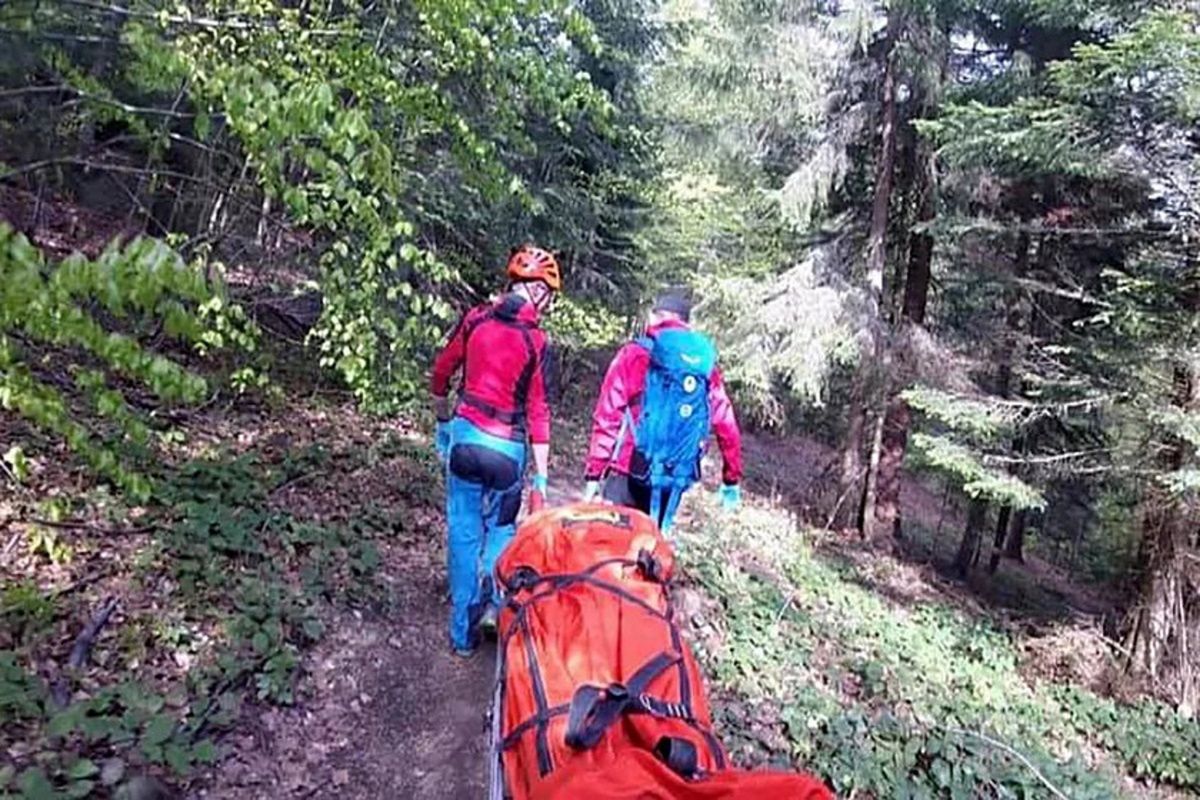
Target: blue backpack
670 436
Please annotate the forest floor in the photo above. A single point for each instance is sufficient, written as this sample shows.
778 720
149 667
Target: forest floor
333 655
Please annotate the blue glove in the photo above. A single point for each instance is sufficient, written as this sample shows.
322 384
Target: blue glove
731 497
590 490
442 440
537 494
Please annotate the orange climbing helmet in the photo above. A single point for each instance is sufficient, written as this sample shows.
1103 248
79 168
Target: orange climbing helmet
529 263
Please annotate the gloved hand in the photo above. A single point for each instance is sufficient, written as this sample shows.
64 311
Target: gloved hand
442 440
731 496
537 495
591 490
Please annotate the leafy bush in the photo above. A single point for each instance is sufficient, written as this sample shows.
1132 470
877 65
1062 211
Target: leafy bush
141 286
251 584
875 697
412 143
1151 739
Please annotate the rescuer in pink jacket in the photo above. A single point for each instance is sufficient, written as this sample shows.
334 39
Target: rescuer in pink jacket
621 393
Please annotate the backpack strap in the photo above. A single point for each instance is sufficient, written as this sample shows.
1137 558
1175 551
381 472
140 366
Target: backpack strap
674 497
646 342
516 417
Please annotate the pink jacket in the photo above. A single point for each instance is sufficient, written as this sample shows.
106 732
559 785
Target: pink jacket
503 355
622 389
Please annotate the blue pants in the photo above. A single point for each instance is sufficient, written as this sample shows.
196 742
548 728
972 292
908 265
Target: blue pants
483 497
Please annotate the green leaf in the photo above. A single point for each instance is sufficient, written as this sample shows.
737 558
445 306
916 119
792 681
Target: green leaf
178 758
80 789
202 126
314 629
205 752
158 730
64 722
83 768
35 786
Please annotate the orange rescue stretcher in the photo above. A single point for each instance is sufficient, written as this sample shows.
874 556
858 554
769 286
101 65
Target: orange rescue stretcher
597 695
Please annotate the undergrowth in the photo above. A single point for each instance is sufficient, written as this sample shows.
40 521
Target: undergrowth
887 699
245 591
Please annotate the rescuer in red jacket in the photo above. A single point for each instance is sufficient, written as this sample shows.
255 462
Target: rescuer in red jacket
618 411
503 356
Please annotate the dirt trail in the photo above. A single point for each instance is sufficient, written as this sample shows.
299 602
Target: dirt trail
384 711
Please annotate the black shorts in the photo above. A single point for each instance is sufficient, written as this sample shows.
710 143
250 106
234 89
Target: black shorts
493 470
623 490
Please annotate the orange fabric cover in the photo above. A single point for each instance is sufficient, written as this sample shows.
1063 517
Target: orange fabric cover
597 632
638 775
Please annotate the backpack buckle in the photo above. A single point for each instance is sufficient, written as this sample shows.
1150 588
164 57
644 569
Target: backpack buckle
649 566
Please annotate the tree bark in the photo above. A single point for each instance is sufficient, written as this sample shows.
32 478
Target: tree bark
967 548
1015 544
889 484
1012 352
1166 625
876 262
852 452
1002 520
887 481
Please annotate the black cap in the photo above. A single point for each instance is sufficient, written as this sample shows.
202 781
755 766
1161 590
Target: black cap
676 301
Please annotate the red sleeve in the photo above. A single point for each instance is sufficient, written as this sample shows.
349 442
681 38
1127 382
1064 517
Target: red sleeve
619 387
725 426
451 356
537 410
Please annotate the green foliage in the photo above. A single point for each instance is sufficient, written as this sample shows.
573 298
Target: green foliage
21 694
18 465
969 425
794 330
1031 136
1151 739
250 588
138 284
45 541
415 143
1153 67
965 466
25 609
980 420
876 697
275 569
126 719
581 325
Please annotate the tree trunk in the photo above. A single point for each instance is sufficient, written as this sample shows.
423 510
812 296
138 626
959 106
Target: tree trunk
877 237
920 183
876 361
1011 354
1001 535
852 453
898 416
1014 546
889 483
1166 626
976 519
866 508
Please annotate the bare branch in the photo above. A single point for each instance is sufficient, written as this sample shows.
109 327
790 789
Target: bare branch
1024 760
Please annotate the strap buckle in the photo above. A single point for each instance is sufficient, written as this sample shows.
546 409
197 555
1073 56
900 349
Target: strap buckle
523 577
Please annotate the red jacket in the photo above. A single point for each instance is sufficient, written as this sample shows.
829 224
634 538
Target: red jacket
624 382
503 354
